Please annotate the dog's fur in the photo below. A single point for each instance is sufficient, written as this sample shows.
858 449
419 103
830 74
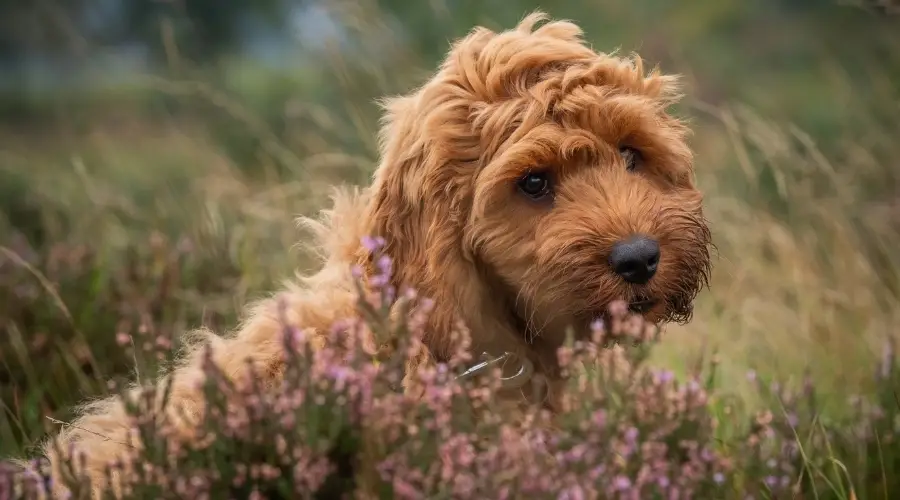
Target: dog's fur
516 271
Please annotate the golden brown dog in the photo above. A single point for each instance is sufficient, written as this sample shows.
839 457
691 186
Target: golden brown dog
530 182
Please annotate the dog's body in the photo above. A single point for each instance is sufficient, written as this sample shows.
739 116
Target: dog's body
528 184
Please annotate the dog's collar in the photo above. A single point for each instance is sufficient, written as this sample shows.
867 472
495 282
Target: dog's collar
515 381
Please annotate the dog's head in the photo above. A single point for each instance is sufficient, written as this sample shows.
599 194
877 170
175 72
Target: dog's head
536 179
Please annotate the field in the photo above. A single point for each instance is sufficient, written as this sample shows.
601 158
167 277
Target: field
166 202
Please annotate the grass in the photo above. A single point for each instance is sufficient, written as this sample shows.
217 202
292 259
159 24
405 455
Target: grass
169 205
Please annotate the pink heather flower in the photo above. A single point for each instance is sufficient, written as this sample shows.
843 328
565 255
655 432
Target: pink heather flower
599 418
384 265
410 293
792 419
665 376
123 339
573 493
379 280
596 472
618 308
297 336
598 331
751 375
389 293
631 434
621 483
405 490
373 244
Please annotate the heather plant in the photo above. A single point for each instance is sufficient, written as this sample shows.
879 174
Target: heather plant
853 455
338 425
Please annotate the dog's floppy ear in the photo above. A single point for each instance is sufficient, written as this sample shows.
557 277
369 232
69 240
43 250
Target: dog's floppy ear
395 208
418 201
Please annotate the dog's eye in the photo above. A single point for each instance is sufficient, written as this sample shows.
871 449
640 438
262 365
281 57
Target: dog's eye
632 157
535 185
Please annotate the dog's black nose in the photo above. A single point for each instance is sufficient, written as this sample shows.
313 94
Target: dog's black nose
635 259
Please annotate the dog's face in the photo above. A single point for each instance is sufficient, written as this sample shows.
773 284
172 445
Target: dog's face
567 182
592 207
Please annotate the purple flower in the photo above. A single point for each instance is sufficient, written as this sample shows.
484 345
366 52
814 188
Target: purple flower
373 244
792 419
621 483
664 376
631 434
379 280
573 493
385 264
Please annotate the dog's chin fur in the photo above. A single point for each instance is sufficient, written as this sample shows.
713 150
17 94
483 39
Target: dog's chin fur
515 271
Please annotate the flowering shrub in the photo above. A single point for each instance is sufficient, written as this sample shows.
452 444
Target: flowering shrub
338 426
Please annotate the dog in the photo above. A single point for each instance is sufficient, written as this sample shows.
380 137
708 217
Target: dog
523 188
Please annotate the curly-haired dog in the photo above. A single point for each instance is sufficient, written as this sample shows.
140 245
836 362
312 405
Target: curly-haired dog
530 182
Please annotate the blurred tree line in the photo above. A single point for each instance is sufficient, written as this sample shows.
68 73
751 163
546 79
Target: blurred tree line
60 29
207 29
785 56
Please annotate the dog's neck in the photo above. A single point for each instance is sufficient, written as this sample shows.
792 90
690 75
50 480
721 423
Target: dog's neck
498 332
525 351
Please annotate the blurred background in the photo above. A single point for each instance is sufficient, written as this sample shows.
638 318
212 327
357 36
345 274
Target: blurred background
155 153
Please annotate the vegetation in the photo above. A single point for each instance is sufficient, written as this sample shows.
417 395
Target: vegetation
158 202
